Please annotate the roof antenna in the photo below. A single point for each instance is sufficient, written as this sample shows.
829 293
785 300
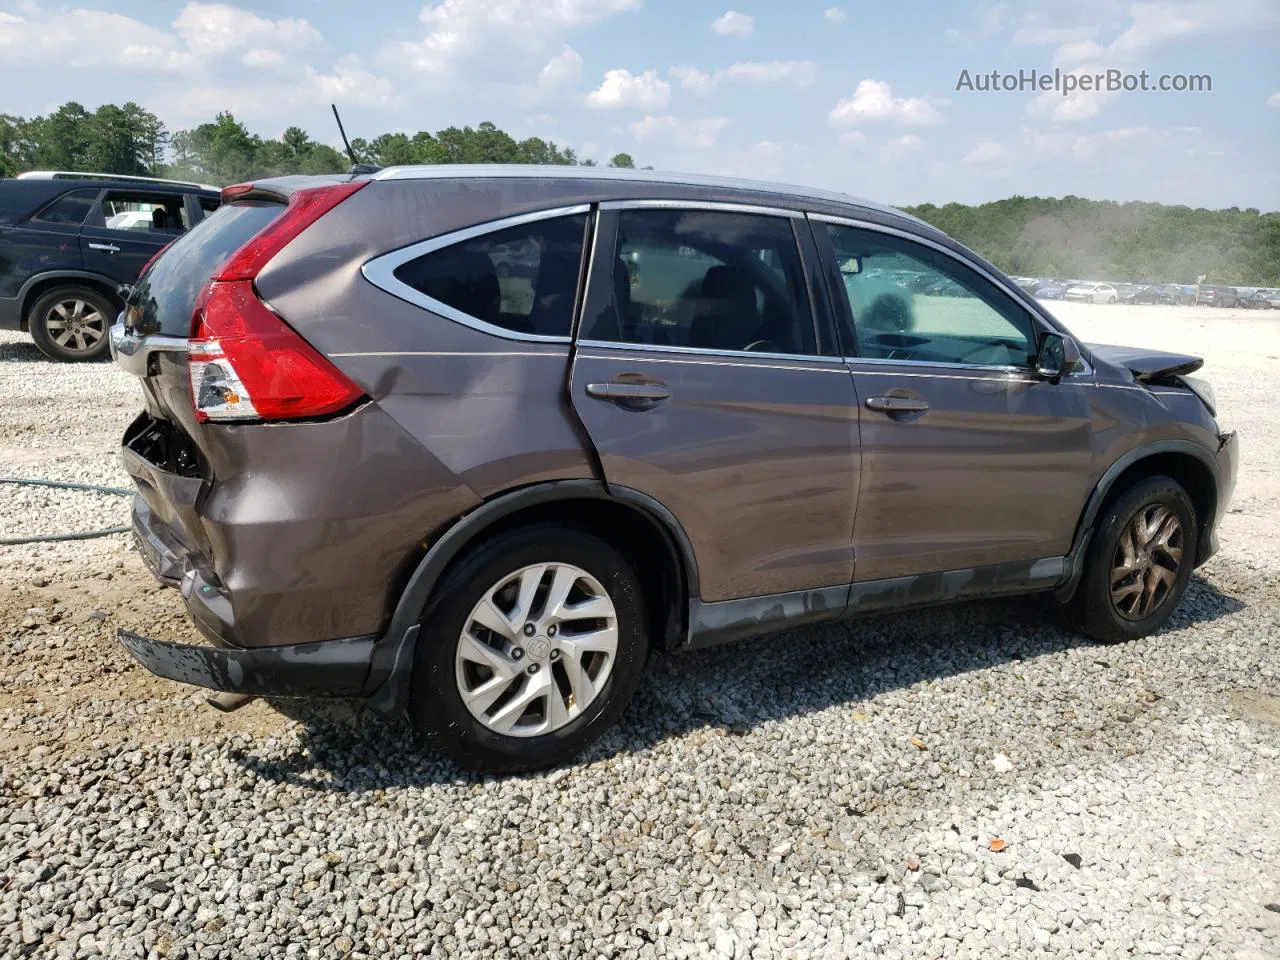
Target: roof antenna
356 166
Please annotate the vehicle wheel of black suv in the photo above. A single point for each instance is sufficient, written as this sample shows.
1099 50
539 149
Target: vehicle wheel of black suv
1138 564
71 323
532 648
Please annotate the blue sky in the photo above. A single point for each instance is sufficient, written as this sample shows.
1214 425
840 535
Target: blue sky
859 97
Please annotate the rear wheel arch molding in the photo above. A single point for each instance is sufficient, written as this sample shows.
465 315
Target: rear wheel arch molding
35 286
387 685
1112 484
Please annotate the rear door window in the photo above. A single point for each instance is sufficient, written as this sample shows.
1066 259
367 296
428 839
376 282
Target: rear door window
521 279
133 212
70 208
166 294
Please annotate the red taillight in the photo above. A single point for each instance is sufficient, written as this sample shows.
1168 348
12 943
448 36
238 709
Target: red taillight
303 209
245 363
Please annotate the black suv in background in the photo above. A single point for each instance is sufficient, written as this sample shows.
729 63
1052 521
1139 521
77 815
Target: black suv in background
67 240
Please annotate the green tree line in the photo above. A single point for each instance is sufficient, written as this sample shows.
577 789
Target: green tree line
132 140
1026 236
1073 238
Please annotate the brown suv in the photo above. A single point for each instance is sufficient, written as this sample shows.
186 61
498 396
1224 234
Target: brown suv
474 441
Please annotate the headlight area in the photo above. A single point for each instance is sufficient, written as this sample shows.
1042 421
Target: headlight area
1202 389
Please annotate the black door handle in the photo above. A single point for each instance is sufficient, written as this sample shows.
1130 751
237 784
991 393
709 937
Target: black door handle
652 392
897 404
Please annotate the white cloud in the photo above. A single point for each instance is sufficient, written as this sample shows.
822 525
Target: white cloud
906 142
213 29
798 73
874 100
834 15
1152 23
700 133
691 78
488 40
1274 99
562 70
985 151
214 56
621 88
985 19
733 22
1040 36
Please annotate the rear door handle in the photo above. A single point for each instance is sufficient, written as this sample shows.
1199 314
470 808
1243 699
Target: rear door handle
897 404
109 247
652 392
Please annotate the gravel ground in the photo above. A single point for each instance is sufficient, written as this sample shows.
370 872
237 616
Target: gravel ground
965 782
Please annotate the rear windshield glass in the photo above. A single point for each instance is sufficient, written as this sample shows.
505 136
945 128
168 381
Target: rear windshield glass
166 294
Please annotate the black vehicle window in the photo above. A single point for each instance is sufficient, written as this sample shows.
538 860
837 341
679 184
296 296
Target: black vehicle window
166 294
910 302
709 280
523 279
70 208
134 212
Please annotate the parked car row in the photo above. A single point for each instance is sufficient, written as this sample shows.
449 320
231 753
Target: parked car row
68 240
1182 294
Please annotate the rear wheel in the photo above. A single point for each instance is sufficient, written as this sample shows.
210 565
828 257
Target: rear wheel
71 323
532 650
1138 563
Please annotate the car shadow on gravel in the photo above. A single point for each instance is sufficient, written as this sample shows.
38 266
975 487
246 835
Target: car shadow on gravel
345 747
24 351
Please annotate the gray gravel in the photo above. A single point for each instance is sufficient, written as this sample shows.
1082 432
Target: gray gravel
832 792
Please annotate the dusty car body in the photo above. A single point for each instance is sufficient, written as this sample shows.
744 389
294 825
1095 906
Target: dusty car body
472 441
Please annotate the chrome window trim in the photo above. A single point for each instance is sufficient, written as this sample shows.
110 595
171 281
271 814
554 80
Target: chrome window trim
709 205
705 352
1038 318
728 359
381 271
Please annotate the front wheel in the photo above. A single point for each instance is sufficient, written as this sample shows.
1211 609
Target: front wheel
532 650
1138 563
71 323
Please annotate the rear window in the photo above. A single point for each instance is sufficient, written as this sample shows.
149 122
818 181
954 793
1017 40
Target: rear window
166 294
523 279
71 208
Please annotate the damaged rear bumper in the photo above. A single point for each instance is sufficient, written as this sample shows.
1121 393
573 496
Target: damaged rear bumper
327 668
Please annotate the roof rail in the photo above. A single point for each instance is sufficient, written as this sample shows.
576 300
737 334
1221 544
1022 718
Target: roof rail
80 175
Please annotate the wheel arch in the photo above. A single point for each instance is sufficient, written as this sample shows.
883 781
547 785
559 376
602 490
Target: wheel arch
42 283
631 521
1189 464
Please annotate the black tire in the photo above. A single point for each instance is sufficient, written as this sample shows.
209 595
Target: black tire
1092 611
436 704
55 308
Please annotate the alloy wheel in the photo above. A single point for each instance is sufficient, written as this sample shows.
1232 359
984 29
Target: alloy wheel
1147 558
536 650
76 325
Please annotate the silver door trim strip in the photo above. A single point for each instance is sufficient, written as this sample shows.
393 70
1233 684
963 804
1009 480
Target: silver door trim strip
452 353
713 205
804 368
705 351
947 376
381 271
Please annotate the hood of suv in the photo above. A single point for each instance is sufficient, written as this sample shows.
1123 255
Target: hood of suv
1147 364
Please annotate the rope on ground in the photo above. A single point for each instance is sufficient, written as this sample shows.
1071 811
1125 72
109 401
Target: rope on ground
63 485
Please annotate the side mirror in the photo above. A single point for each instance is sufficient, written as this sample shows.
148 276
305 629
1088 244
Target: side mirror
1058 356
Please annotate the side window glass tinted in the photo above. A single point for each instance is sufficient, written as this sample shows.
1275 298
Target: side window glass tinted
523 279
709 280
70 208
143 213
912 303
